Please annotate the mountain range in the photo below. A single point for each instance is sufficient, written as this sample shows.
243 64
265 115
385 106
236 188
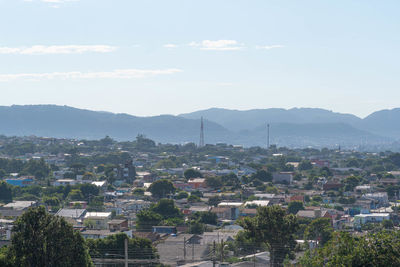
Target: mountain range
297 127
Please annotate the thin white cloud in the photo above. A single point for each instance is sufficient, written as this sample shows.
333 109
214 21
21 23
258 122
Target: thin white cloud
116 74
52 1
269 47
58 1
219 45
170 46
57 49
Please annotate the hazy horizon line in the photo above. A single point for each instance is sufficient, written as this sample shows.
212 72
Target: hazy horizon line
197 110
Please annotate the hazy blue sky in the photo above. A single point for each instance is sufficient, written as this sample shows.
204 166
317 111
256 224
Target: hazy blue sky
147 57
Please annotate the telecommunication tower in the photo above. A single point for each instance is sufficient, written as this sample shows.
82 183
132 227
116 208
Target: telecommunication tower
201 143
267 135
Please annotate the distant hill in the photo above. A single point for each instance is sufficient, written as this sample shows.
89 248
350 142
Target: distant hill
299 127
64 121
315 135
385 122
241 120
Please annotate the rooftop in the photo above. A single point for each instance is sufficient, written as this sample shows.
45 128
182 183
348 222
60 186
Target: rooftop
71 213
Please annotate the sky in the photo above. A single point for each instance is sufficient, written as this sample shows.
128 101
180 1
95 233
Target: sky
150 57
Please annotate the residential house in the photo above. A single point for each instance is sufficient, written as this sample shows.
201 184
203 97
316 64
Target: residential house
257 203
20 205
99 219
118 225
296 198
101 233
361 219
5 229
282 177
233 206
197 183
22 181
380 198
65 182
248 212
332 185
164 229
223 213
320 163
74 216
101 184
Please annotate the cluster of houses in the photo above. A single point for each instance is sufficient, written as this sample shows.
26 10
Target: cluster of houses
350 210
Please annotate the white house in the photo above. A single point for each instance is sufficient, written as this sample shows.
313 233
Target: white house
361 219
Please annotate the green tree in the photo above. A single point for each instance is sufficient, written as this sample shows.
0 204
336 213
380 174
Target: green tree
166 208
75 194
191 173
139 248
379 249
305 165
146 219
96 203
51 201
319 229
351 182
387 224
295 206
5 192
230 180
196 227
182 194
39 168
162 188
206 217
89 190
106 141
144 144
41 240
214 200
193 198
273 227
214 182
263 176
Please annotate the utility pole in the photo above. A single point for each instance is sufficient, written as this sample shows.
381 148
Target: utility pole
192 249
254 257
267 136
222 250
126 252
184 249
214 253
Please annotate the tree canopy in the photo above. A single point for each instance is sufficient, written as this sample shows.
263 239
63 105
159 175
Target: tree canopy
379 249
146 219
192 173
273 227
5 192
295 206
162 188
319 229
138 248
41 240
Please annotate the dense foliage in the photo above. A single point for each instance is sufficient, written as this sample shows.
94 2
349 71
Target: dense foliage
273 227
379 249
113 245
41 240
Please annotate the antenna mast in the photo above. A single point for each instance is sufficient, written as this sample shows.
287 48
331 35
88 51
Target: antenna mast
267 135
201 143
